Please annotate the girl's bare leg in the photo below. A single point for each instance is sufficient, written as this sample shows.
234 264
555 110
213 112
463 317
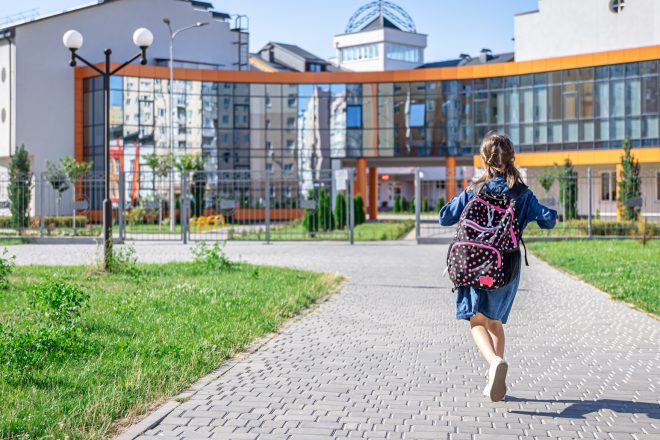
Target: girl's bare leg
482 337
496 333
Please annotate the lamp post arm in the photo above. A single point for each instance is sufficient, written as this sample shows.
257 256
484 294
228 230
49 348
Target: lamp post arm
138 55
78 57
176 32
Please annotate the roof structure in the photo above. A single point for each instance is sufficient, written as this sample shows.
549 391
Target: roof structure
35 18
374 14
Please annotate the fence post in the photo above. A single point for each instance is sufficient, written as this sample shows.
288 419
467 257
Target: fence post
418 204
589 198
183 207
351 208
267 190
121 206
42 214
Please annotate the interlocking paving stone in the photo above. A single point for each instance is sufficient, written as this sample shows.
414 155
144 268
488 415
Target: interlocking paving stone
386 356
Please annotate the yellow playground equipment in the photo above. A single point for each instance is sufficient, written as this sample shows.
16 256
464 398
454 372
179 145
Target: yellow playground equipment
203 223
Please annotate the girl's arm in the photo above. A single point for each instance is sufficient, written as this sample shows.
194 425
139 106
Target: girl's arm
544 216
451 212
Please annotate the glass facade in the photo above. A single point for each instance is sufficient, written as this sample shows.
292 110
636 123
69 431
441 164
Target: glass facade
295 128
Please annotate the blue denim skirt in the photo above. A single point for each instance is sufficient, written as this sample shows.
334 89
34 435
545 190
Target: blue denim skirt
493 304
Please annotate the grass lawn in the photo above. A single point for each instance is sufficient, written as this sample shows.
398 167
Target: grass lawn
148 332
627 270
370 231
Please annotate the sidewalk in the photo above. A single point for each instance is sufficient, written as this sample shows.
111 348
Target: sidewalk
385 358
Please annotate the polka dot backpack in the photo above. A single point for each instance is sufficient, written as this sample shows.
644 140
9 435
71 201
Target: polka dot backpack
485 253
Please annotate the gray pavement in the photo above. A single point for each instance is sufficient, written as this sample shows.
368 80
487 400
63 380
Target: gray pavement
385 358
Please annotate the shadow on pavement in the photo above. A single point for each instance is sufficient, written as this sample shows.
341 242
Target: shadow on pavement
577 409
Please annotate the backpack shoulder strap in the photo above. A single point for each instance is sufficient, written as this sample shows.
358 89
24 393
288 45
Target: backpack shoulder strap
525 247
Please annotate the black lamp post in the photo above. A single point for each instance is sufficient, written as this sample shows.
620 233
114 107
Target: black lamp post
73 41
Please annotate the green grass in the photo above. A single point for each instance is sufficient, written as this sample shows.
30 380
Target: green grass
625 269
150 332
370 231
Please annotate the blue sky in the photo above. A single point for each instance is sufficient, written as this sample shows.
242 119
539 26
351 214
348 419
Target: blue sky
452 26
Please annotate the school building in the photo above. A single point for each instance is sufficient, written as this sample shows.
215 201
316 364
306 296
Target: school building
583 77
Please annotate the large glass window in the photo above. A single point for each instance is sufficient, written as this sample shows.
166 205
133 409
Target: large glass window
401 52
354 116
416 117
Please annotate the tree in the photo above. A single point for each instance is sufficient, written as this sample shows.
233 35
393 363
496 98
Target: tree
629 183
425 204
340 211
74 172
405 206
194 163
439 204
548 178
568 190
20 187
360 216
57 179
326 221
311 219
397 204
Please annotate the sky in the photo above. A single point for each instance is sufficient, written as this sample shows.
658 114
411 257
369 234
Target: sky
453 27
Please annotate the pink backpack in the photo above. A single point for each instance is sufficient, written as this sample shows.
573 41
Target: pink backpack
485 253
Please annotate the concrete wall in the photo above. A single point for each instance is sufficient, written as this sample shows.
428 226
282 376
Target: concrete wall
45 82
7 76
570 27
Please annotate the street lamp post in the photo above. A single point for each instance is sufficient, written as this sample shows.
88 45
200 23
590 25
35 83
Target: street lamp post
73 41
173 34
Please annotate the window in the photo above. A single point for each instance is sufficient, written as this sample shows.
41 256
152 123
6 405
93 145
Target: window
269 104
354 116
291 101
617 6
359 53
267 123
269 145
416 117
290 144
399 52
269 167
608 186
290 122
288 167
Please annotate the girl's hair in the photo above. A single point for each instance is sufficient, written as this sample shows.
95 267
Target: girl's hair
497 153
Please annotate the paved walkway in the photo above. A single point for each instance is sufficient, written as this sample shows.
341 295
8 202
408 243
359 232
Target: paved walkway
385 358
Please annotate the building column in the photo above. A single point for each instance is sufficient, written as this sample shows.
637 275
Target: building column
361 177
450 178
373 193
619 206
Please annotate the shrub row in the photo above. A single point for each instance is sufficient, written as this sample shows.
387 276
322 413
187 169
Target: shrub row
49 221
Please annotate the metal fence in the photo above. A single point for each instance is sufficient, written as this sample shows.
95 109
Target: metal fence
223 205
587 205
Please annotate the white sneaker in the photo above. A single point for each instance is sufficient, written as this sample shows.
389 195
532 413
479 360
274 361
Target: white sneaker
496 388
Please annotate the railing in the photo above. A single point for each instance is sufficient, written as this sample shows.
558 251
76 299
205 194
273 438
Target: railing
223 205
587 204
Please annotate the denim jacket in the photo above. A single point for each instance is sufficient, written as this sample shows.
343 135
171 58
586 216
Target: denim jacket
528 207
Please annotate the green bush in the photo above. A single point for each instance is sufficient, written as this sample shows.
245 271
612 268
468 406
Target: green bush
6 268
405 206
568 190
341 211
425 205
211 258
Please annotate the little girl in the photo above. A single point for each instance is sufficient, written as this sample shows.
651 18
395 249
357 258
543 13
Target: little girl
488 310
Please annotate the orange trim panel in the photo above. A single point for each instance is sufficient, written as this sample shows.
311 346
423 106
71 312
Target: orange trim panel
432 74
